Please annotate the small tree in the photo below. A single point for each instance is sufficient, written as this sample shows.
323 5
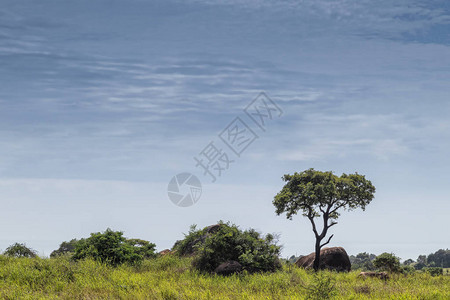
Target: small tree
19 250
65 248
142 247
113 248
387 262
363 261
421 262
440 258
322 194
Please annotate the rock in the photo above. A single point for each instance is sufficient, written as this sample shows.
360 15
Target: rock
334 258
228 268
165 252
381 275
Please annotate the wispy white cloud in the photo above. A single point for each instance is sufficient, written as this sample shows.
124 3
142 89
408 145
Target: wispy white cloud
381 19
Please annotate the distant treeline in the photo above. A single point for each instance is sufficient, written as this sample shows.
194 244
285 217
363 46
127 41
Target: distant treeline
440 258
364 260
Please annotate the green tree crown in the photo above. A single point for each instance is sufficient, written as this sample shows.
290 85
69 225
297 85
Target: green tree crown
113 248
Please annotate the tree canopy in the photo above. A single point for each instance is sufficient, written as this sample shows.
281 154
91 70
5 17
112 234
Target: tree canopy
322 194
19 250
387 262
363 261
113 248
65 248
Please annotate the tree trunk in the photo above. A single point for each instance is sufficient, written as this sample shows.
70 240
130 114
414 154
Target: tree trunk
316 264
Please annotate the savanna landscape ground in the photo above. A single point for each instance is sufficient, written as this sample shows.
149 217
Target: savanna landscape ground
171 277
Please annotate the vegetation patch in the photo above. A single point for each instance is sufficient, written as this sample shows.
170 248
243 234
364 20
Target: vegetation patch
227 242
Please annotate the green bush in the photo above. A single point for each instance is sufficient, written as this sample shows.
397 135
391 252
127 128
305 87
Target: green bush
322 287
254 252
65 248
387 262
142 247
434 271
363 261
112 248
407 269
19 250
188 245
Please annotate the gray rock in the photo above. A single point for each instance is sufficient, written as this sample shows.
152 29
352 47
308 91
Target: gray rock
335 258
228 268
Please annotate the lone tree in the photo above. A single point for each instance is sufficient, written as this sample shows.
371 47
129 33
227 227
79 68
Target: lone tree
321 194
387 262
19 250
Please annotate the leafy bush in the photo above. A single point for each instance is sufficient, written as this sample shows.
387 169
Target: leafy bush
65 248
440 258
187 246
142 247
254 252
387 262
19 250
112 248
322 287
421 262
434 271
407 269
363 261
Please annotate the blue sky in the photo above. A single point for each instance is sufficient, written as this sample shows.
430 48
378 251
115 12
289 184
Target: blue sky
102 102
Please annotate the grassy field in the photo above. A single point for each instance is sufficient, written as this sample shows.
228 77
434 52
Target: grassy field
172 278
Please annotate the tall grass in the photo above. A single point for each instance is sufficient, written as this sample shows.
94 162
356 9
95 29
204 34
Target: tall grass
170 277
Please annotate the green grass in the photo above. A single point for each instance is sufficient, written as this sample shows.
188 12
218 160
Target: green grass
172 278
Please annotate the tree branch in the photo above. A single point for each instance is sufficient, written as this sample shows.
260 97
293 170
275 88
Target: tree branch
337 207
323 212
325 226
311 219
329 239
332 224
330 206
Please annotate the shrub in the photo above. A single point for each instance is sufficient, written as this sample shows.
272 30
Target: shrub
65 248
363 261
19 250
407 269
387 262
112 248
322 287
142 247
187 246
434 271
254 252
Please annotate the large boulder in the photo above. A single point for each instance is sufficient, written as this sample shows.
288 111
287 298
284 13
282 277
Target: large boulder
228 268
165 252
334 258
